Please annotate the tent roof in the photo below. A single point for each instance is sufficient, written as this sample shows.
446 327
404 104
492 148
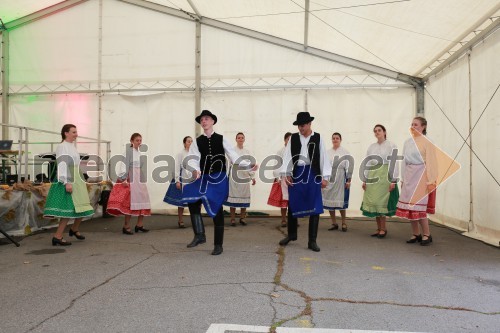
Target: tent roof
405 36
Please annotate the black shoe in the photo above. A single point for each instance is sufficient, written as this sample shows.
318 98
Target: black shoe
287 240
127 231
382 235
313 246
77 234
427 241
197 240
375 234
414 239
62 242
217 250
334 227
181 225
141 228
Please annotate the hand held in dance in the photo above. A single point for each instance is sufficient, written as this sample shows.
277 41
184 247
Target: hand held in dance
69 188
253 181
197 174
364 186
431 187
178 185
392 186
324 182
125 183
288 181
347 185
255 167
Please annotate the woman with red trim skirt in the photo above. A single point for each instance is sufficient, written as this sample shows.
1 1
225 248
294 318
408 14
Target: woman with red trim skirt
418 188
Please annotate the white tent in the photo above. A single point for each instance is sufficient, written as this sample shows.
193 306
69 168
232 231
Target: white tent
114 67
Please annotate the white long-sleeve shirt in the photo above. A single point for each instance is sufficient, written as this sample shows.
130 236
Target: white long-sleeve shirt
344 165
67 157
419 150
179 165
383 150
228 149
324 163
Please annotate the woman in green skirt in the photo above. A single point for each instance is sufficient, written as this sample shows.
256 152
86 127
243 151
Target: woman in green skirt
381 191
68 197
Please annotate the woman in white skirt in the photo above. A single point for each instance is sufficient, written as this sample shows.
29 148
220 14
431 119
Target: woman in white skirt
239 184
174 192
336 192
418 182
130 196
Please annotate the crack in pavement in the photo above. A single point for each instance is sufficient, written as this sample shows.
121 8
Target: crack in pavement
307 311
73 301
439 307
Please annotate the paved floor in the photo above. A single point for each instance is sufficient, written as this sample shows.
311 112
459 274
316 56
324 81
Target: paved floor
152 283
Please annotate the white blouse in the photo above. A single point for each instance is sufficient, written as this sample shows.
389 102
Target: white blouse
242 152
340 151
180 170
419 150
67 157
384 150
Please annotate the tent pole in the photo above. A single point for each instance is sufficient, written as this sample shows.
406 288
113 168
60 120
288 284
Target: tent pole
420 90
306 25
5 83
99 82
470 226
197 91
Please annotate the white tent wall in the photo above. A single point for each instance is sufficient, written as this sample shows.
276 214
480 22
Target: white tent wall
59 49
450 89
163 120
485 81
144 45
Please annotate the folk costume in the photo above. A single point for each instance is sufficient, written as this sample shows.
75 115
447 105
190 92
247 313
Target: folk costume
132 199
63 204
305 161
207 155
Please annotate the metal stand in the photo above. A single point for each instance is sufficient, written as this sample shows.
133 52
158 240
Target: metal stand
9 238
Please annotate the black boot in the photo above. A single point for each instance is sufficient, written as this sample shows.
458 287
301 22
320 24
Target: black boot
199 230
313 233
292 230
218 232
218 240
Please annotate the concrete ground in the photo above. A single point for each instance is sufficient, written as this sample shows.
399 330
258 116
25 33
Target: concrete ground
152 283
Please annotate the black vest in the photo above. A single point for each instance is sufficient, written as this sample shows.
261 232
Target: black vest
313 148
213 157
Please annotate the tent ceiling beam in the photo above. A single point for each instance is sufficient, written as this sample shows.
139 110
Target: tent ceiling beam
306 25
194 8
5 83
466 48
278 41
42 13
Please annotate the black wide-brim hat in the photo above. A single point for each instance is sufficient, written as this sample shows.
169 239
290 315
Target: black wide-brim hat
206 113
303 118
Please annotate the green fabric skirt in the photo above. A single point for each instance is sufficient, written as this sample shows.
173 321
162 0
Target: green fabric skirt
60 203
377 200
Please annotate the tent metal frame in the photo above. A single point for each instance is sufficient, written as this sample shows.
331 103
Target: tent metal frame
416 82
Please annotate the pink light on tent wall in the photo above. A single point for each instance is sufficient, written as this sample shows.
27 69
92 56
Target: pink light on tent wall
76 109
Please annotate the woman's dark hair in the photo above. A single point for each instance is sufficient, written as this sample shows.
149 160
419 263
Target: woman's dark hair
185 139
65 129
133 136
423 122
239 134
287 135
337 134
383 129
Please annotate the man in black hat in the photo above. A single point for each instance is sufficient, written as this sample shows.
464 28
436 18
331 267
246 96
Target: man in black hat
307 170
207 161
